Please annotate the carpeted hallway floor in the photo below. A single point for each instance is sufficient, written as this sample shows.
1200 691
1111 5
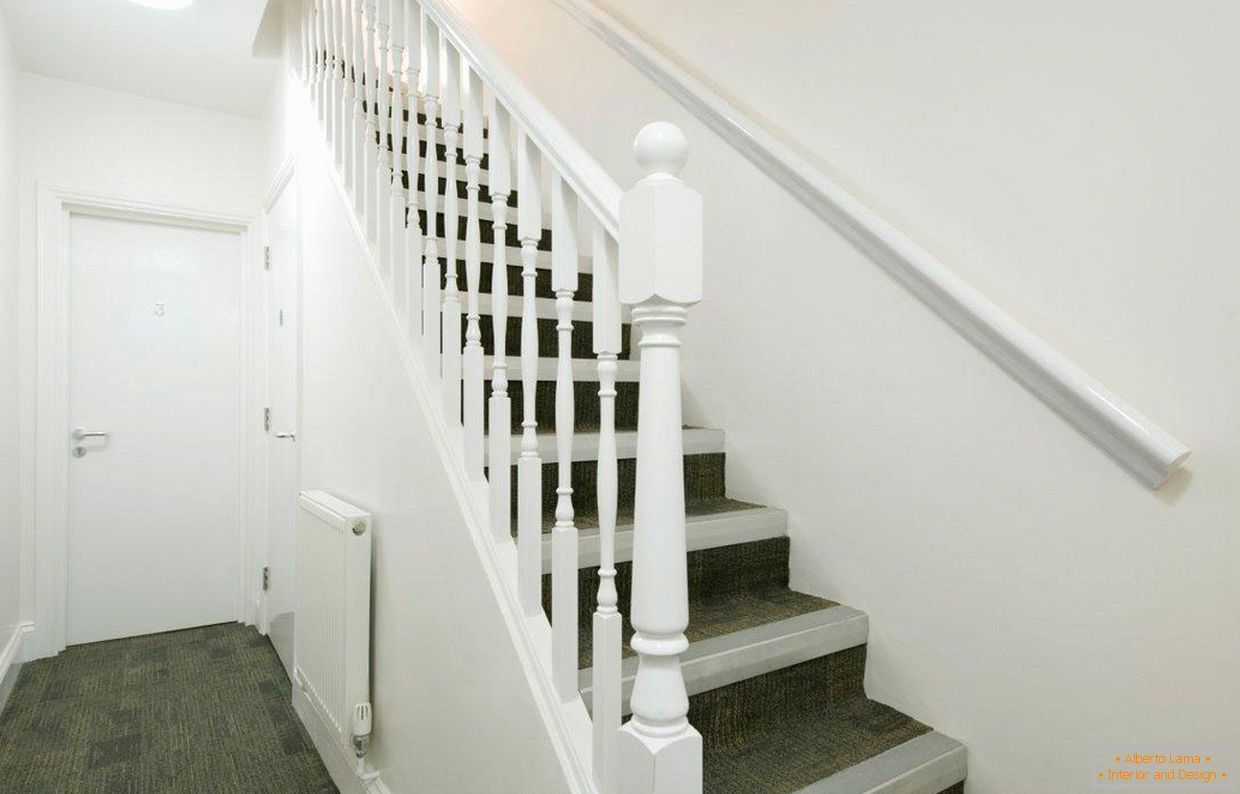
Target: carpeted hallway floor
200 710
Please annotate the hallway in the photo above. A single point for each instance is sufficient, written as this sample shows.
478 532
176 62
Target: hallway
200 710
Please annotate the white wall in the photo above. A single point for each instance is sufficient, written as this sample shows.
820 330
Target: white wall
80 137
453 709
1073 161
10 514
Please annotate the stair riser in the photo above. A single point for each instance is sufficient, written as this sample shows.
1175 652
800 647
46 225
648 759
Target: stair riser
704 480
711 574
585 405
548 338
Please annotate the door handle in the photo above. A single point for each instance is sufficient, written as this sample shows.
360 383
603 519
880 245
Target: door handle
80 433
290 436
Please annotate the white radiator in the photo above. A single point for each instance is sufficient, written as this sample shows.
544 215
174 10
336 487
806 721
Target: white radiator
332 633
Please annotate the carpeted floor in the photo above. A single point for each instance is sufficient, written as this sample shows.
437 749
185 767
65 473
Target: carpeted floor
200 710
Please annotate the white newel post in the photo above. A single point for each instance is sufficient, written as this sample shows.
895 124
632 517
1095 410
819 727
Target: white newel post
472 361
660 276
451 124
564 624
383 163
413 228
529 464
499 459
396 192
430 264
608 622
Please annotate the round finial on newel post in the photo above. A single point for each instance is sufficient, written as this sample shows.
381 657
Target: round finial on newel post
661 148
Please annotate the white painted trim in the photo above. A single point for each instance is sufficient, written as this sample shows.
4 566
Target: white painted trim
697 441
1147 450
11 662
568 724
930 762
50 509
594 186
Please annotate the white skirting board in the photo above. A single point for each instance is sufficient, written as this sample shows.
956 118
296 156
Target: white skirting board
11 661
341 767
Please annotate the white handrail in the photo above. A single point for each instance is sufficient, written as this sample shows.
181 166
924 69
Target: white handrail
593 185
1151 453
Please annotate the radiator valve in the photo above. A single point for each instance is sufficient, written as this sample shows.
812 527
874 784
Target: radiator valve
361 733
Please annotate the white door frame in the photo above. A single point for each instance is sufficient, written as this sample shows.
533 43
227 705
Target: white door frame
51 421
260 537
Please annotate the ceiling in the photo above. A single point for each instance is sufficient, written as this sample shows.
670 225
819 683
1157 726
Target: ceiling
195 56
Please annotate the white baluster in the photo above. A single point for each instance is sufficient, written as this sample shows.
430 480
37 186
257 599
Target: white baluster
608 622
564 624
383 155
321 59
306 42
413 229
473 399
529 465
661 276
430 265
370 151
342 81
360 145
451 123
396 201
500 406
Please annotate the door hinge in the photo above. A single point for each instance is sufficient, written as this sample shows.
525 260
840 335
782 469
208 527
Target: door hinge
266 578
266 257
266 420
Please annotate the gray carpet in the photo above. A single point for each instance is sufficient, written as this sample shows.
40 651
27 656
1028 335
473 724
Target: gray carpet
197 711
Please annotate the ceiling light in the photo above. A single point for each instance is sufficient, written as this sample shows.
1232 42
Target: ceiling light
163 4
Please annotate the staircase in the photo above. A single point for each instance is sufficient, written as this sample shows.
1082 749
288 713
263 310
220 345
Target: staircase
774 677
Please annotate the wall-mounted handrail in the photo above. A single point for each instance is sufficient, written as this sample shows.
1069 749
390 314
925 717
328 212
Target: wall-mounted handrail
594 186
1147 450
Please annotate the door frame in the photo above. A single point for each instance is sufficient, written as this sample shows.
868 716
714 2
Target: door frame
56 205
286 177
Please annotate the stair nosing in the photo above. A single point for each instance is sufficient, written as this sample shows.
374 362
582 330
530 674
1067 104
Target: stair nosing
728 658
924 764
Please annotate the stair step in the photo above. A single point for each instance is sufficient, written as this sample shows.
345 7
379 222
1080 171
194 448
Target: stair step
697 441
585 370
708 525
582 346
585 404
928 763
544 308
794 726
726 659
703 479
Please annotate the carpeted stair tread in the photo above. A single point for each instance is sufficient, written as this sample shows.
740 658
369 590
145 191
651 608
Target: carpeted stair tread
784 730
731 588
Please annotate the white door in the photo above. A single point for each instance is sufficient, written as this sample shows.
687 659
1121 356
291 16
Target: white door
282 458
154 362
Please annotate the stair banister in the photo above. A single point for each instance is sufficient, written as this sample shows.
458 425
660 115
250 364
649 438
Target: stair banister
500 405
660 276
472 361
450 124
529 464
396 200
430 263
346 94
413 222
383 156
370 70
564 579
608 622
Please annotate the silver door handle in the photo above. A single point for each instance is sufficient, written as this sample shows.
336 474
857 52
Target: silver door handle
290 436
81 433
